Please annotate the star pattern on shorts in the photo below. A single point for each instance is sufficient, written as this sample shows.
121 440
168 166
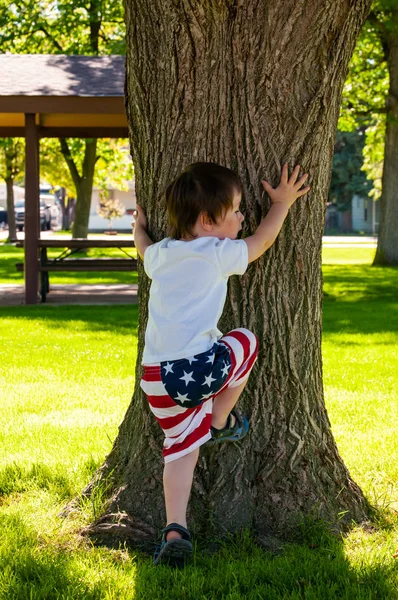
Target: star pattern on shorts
211 359
182 398
191 359
225 369
206 396
169 368
187 377
193 380
208 380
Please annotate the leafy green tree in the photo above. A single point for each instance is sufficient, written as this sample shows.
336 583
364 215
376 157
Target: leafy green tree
11 167
90 27
370 100
67 27
347 177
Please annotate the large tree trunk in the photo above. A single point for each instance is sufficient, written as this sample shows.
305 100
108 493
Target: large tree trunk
249 85
12 230
387 246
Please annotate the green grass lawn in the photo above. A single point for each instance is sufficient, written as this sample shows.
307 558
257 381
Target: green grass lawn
66 377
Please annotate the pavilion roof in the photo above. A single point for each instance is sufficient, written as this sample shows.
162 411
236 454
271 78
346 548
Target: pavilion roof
61 75
70 96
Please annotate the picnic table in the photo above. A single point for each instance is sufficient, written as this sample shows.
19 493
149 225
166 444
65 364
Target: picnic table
69 247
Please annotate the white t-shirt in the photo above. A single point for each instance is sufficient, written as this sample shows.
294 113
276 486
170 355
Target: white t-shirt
188 292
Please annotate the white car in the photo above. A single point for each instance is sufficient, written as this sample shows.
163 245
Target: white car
52 202
45 215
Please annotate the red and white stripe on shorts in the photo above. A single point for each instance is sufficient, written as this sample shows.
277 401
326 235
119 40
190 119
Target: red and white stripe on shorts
186 429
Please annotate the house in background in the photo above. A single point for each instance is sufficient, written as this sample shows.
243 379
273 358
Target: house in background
128 199
19 193
337 221
365 214
362 217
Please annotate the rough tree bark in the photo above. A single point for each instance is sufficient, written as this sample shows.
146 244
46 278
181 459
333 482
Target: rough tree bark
387 244
249 84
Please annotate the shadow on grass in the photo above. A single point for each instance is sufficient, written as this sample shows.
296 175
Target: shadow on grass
34 570
351 283
120 319
314 567
363 316
360 299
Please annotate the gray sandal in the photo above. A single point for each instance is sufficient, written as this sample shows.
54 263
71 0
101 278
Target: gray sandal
230 434
174 552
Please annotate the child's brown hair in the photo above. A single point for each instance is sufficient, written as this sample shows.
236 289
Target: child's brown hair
203 186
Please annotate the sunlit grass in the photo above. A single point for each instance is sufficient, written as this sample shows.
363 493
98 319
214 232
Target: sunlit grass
66 377
348 255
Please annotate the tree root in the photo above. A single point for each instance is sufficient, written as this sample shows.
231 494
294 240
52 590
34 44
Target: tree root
115 529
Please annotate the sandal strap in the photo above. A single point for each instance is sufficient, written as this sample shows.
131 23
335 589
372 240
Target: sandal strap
238 422
238 417
179 528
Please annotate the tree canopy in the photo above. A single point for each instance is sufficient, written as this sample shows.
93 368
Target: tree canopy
366 89
62 27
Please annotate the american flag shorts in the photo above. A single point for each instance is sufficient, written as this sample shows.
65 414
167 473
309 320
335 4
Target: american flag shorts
181 392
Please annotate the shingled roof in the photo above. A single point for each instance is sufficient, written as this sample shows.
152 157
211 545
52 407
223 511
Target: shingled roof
70 96
61 75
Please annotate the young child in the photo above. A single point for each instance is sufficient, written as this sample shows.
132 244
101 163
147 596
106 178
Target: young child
193 374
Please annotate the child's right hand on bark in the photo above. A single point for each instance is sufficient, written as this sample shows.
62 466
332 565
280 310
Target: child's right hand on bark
139 218
288 190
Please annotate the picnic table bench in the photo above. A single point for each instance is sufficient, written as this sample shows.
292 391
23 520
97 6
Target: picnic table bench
69 247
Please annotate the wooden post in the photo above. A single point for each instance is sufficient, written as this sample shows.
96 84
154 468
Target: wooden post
32 210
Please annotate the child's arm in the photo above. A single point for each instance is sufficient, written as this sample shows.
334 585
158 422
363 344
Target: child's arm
141 238
282 199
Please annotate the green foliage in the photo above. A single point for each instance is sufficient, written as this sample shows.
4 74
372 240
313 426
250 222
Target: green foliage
12 158
347 177
53 167
367 83
373 153
367 86
114 168
62 27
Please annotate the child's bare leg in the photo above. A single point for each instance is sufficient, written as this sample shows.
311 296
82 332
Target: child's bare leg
224 403
177 483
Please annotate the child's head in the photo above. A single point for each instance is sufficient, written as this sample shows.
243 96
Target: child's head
204 196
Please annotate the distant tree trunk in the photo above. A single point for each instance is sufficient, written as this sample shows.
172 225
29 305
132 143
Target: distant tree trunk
11 153
249 85
83 184
387 245
12 229
84 193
